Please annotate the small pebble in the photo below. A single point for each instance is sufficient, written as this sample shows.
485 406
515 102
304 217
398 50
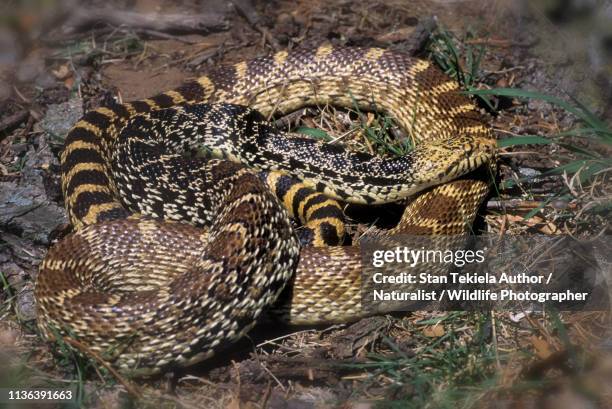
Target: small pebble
26 305
529 172
61 117
559 204
502 83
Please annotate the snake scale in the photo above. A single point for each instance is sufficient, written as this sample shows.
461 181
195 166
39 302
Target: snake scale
148 292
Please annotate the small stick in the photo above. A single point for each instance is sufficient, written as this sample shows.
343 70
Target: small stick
14 120
178 23
132 389
512 204
246 9
286 121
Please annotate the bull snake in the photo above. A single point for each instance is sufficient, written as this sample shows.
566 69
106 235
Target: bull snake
149 294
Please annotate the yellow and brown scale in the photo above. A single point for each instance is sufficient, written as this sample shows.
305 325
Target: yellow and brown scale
167 293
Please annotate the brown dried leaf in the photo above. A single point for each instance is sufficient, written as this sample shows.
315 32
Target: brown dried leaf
396 35
550 229
69 82
234 403
63 72
542 347
434 331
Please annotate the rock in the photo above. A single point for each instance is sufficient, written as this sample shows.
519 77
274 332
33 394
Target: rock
25 208
15 275
22 251
559 204
278 401
61 117
22 286
540 106
26 305
4 256
418 39
529 172
286 28
45 80
39 158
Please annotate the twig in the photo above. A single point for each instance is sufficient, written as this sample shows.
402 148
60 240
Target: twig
512 204
174 23
286 121
499 42
20 95
246 9
204 55
273 341
163 36
13 120
279 383
494 330
266 397
504 71
132 389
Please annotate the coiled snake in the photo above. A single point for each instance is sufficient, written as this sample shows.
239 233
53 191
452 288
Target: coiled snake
149 294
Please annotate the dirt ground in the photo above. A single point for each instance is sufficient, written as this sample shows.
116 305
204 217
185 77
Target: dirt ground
60 59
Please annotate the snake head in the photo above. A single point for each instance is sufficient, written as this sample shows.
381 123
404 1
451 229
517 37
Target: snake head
449 159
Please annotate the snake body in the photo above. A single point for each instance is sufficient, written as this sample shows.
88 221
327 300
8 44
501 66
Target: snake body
149 294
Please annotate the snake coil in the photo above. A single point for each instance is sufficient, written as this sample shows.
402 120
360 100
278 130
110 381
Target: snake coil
147 291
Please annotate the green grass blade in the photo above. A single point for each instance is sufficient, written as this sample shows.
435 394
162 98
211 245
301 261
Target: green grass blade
591 169
535 211
576 165
476 66
577 149
314 133
592 119
521 93
523 140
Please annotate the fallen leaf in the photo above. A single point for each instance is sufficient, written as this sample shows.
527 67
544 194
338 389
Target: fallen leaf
535 221
396 35
434 331
62 72
69 82
542 347
550 229
234 403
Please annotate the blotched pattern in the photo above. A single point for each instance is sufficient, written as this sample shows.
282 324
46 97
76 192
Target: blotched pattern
149 294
